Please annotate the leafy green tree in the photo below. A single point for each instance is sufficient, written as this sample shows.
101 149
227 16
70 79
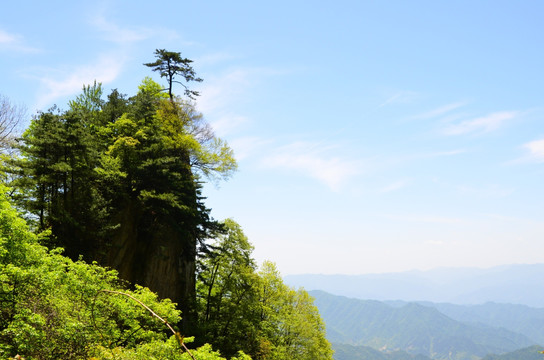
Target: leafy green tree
120 181
55 175
240 308
158 152
291 325
170 64
54 308
228 293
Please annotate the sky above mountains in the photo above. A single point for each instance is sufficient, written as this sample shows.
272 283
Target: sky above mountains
371 136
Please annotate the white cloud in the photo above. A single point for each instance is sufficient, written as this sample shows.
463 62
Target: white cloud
440 111
221 95
124 35
117 34
397 185
489 191
227 124
6 38
482 124
246 146
66 83
536 150
432 219
218 93
400 97
15 43
315 161
441 153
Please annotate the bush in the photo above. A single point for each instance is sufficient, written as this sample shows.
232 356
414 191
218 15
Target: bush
54 308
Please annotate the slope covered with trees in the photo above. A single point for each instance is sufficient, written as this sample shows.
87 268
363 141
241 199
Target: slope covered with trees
117 183
413 328
351 352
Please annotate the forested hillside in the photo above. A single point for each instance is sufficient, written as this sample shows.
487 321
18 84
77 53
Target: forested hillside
530 353
107 249
521 319
351 352
414 328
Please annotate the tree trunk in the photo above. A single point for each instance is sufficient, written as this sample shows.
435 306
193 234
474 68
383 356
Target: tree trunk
157 256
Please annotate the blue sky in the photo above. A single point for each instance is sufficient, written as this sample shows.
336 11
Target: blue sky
372 136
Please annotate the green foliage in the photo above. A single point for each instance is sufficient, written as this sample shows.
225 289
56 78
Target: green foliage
290 320
54 308
227 293
153 88
51 307
89 102
241 308
170 64
54 175
119 181
106 171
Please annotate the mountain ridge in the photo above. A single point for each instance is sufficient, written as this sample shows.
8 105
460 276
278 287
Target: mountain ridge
509 284
413 328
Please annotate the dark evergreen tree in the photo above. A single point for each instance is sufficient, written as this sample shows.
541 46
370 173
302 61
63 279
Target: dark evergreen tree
169 64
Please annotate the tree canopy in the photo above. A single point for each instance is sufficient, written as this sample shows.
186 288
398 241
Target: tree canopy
116 183
170 64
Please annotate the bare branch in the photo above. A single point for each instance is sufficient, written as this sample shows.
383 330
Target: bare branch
11 117
175 333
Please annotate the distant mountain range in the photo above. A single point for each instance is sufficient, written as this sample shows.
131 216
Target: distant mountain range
521 319
513 284
412 328
350 352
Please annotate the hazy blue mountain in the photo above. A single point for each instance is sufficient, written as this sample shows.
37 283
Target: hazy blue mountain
515 284
530 353
522 319
351 352
413 328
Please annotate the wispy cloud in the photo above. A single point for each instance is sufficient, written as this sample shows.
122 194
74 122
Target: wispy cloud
14 43
6 38
218 92
228 124
436 154
221 96
127 35
244 147
482 124
397 185
315 161
536 150
432 219
440 111
488 191
61 83
402 97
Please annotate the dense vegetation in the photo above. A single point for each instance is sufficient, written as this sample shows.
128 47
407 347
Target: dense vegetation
351 352
530 353
107 248
437 331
